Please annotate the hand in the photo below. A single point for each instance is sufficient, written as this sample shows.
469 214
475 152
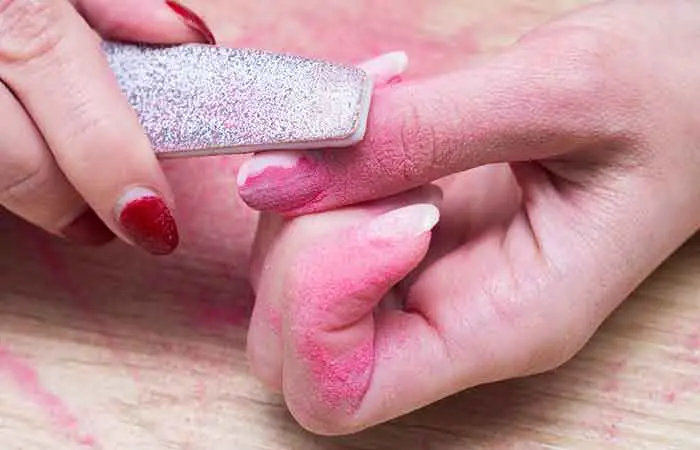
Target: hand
568 167
73 157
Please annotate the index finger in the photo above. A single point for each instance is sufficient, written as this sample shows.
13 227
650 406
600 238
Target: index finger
521 105
54 64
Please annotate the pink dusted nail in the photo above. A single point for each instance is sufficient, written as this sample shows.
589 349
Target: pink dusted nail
264 180
147 220
192 20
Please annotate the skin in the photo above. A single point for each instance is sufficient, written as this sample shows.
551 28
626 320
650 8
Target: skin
567 166
48 164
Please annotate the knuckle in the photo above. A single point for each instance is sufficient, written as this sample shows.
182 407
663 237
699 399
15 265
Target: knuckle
582 70
22 176
90 129
586 59
418 146
29 29
410 152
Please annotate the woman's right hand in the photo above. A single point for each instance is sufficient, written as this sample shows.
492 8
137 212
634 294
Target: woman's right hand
74 159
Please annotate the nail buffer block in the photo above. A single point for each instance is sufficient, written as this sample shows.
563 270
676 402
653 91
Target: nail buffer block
199 100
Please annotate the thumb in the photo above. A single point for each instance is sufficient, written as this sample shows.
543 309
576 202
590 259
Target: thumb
279 245
330 297
541 98
148 21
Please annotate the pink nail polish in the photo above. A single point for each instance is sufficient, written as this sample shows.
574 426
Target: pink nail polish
147 220
281 181
192 20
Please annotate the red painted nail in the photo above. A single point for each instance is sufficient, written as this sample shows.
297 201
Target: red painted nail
88 229
147 220
192 20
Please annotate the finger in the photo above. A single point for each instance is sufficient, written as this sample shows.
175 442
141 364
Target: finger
152 21
384 70
264 333
348 365
54 65
331 294
519 106
33 187
502 306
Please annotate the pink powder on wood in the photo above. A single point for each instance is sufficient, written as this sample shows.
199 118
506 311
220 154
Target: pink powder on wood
27 381
670 397
52 260
692 343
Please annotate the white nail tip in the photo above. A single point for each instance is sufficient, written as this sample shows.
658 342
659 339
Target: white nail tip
259 163
133 194
409 221
387 65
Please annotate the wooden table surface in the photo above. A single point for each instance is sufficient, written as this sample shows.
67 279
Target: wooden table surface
112 349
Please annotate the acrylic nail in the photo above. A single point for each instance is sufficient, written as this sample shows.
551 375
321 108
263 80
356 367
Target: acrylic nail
193 20
403 223
147 221
88 229
281 181
386 68
259 163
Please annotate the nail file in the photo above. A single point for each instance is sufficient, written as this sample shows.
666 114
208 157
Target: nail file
201 100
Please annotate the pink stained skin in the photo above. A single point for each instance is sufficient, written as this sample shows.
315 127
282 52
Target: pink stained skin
330 323
27 381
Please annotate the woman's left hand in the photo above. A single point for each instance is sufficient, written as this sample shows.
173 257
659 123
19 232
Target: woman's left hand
364 314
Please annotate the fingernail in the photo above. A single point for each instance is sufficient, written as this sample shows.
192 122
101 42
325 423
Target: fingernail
280 181
386 68
407 222
259 163
88 229
146 219
192 20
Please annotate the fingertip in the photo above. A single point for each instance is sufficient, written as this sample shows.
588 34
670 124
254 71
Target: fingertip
193 21
406 222
151 21
146 218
